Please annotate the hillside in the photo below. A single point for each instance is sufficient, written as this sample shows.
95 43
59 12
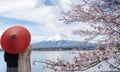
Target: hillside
61 41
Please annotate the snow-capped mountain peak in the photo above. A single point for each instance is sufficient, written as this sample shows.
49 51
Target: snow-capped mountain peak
58 37
59 41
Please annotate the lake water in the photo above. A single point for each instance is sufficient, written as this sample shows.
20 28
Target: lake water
47 55
51 55
40 56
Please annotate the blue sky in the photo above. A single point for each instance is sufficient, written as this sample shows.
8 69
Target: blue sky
40 17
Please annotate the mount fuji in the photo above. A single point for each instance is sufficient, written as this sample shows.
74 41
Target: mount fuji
60 41
58 37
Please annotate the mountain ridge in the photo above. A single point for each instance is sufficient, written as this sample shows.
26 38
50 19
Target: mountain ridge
60 41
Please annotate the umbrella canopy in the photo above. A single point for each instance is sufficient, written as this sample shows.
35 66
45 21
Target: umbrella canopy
15 39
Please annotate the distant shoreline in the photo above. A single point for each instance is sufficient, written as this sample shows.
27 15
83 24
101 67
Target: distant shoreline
59 49
56 50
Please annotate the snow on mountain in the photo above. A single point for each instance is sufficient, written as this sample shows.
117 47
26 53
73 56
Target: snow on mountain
58 41
58 37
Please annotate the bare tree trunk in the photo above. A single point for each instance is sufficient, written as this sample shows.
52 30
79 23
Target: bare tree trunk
24 64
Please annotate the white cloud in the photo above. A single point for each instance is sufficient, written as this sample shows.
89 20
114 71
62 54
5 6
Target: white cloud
65 3
1 31
36 11
26 9
7 6
40 15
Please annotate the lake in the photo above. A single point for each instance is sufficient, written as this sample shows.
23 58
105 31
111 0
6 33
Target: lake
40 56
51 55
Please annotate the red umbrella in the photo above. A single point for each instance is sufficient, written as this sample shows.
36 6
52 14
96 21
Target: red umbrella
15 39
